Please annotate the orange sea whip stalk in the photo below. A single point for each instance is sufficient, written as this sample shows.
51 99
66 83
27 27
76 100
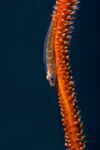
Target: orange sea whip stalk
60 29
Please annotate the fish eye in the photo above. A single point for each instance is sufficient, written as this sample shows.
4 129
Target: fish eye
51 78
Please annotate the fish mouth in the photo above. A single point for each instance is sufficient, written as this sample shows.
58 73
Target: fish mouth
52 84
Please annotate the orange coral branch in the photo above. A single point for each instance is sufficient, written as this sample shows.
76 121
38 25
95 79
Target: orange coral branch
62 20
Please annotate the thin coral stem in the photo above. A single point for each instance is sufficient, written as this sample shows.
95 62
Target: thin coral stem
62 24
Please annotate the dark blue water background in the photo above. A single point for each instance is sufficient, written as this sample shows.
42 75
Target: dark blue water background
29 112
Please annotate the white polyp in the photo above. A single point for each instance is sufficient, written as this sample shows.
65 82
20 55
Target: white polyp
59 31
68 3
54 12
65 42
55 7
62 19
61 39
65 23
69 36
75 6
66 29
62 14
65 47
80 143
63 34
52 15
69 16
59 27
57 2
71 22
